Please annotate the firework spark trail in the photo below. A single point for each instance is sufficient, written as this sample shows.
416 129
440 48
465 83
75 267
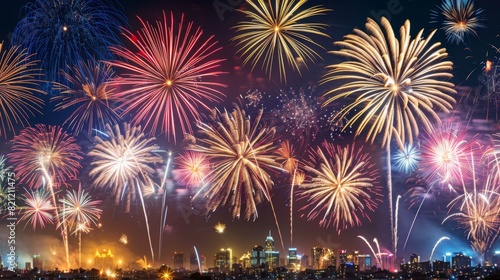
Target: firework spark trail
291 207
64 229
147 222
416 214
164 207
266 193
377 256
198 259
396 216
435 245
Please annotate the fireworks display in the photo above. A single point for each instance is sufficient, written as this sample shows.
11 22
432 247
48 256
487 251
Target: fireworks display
169 75
89 91
122 161
61 32
45 153
458 18
343 187
241 151
276 34
184 132
19 79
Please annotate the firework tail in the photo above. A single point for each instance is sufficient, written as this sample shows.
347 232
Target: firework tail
164 207
147 223
268 196
435 245
198 259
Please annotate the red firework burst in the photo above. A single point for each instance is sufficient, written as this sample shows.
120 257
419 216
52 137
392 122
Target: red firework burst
169 75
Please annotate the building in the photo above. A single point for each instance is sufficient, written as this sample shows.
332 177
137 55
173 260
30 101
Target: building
460 261
27 265
103 260
440 267
292 257
37 262
257 258
317 257
272 256
304 261
495 259
178 260
386 261
223 260
364 262
193 262
245 260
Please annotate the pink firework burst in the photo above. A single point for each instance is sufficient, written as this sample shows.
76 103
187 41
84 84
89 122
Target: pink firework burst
45 152
38 208
192 168
445 153
169 75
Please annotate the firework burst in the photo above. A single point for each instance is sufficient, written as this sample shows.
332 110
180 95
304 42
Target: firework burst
287 155
445 154
63 32
18 80
219 228
78 209
296 112
38 208
343 186
241 152
169 75
407 159
458 18
123 239
88 96
396 82
42 153
191 169
122 161
278 34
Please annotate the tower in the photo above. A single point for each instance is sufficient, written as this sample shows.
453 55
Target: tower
272 256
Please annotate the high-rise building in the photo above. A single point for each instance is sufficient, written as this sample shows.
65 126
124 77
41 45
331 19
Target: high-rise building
37 262
342 257
258 257
460 261
178 260
27 266
193 262
222 259
495 259
272 256
292 256
364 262
386 260
317 257
304 261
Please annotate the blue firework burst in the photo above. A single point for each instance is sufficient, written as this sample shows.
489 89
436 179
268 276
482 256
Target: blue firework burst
62 32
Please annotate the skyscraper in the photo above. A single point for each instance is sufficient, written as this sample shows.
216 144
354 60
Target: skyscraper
37 262
258 256
178 260
292 256
317 257
460 261
222 259
272 256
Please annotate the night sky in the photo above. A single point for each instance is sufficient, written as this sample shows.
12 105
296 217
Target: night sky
187 226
